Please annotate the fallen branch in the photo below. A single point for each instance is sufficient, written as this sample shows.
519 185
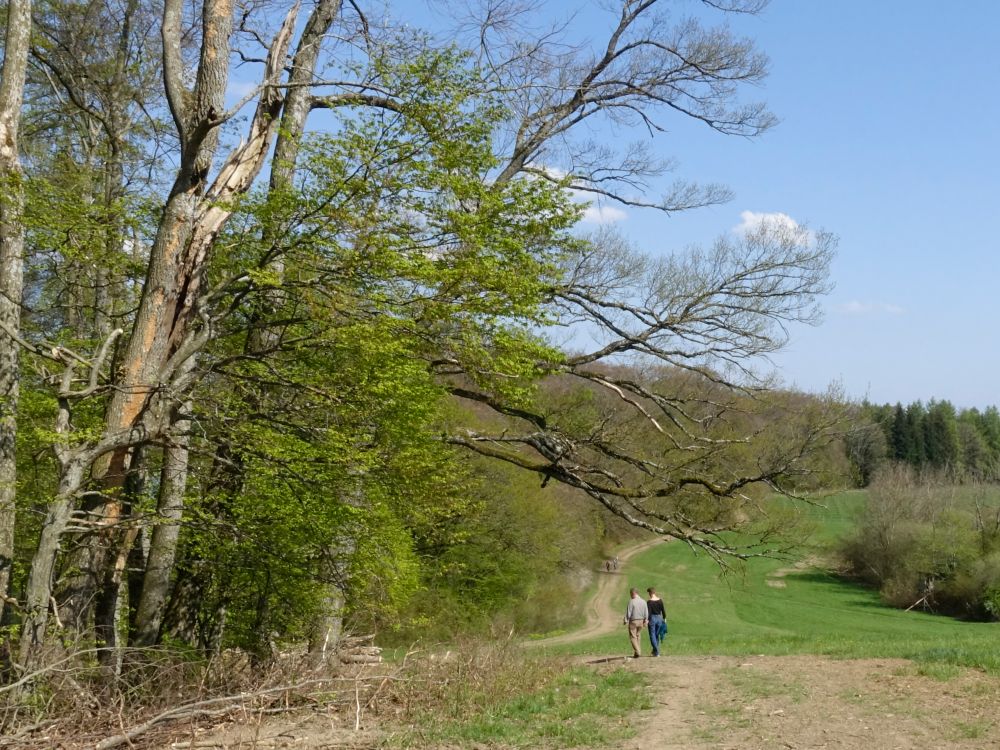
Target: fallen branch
14 739
361 658
195 710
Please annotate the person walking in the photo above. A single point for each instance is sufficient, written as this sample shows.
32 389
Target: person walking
657 615
636 617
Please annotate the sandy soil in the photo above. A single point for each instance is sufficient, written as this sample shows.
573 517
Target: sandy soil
811 702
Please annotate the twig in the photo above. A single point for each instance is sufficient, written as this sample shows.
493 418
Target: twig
11 739
357 707
55 611
32 675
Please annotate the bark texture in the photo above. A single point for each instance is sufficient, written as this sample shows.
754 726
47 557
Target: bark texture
163 544
11 269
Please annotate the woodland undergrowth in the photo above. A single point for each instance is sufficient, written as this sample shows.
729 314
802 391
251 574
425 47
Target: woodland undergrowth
168 697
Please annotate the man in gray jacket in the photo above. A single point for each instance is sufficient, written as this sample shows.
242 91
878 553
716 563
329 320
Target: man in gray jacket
636 617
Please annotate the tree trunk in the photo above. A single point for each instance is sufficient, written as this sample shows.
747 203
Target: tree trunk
173 274
328 624
261 338
39 589
163 340
114 573
334 572
163 545
11 269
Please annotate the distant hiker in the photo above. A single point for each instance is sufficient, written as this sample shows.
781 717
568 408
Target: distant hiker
614 563
636 617
607 565
657 620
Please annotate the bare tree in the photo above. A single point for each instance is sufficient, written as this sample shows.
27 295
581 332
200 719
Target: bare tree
163 335
698 323
15 60
712 316
648 65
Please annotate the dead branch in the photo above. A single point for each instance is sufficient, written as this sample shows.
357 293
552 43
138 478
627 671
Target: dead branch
198 709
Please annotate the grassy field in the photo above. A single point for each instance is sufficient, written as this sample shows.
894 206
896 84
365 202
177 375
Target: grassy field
789 607
773 607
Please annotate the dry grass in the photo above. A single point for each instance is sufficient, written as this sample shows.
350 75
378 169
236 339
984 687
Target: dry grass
73 702
467 677
161 695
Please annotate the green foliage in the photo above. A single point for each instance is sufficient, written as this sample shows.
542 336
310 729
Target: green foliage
964 443
941 435
366 467
925 542
336 312
395 252
509 561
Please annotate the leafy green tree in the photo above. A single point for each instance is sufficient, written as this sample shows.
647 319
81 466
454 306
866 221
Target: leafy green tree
866 450
941 441
901 434
979 433
974 451
917 449
990 429
267 412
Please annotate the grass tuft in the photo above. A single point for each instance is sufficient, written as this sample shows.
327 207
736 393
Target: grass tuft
972 730
498 695
579 708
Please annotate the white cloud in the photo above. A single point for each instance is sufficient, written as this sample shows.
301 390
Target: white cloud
856 307
752 220
597 214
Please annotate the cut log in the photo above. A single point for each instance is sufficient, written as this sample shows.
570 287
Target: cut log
360 659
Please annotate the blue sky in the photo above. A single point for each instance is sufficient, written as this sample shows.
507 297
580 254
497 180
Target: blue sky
888 112
888 139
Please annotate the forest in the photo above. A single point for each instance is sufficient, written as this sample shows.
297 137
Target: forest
962 442
302 333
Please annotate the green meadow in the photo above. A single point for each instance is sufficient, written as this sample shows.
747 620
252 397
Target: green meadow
791 607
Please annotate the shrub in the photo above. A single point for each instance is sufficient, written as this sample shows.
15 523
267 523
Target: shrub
922 540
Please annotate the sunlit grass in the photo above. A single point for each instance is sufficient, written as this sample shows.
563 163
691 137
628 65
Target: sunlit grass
580 708
777 607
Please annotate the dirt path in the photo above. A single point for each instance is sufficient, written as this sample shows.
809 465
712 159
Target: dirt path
800 702
603 615
730 703
766 702
796 702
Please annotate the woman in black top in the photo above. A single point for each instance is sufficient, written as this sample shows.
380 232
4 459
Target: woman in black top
657 620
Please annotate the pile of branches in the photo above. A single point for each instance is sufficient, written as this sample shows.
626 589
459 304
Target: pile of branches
165 698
